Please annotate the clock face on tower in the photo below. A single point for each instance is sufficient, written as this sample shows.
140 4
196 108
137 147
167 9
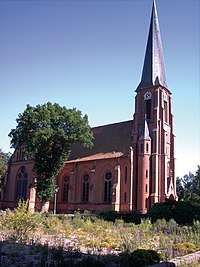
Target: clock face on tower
147 96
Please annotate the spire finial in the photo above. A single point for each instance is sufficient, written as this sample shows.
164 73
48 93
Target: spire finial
153 69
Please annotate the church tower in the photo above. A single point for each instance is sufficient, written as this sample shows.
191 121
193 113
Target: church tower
153 137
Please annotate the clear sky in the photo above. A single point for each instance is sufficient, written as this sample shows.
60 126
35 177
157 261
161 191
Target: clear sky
89 55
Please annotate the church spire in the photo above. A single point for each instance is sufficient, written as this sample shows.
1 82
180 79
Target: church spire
153 69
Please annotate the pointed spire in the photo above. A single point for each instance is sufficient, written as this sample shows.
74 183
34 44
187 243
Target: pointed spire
145 131
153 69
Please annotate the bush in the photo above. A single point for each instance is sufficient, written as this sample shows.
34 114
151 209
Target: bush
196 227
110 216
128 217
161 225
52 225
132 217
185 247
159 211
139 257
91 261
20 223
182 213
196 211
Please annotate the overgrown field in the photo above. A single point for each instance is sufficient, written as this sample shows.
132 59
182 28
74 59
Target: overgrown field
87 240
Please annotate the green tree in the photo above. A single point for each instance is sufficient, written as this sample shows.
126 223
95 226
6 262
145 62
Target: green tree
188 187
47 131
179 188
4 158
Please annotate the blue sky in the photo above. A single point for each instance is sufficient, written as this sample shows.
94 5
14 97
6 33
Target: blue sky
89 55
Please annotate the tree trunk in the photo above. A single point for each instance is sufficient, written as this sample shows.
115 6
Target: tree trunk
44 206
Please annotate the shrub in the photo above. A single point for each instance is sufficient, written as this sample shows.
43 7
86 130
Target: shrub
109 215
20 223
161 225
196 227
196 211
131 217
57 256
128 217
182 213
159 211
91 261
139 257
185 247
52 225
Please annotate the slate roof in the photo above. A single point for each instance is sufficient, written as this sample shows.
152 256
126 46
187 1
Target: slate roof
153 68
112 140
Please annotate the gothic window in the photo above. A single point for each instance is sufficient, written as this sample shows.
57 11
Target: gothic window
142 148
168 168
146 189
21 184
126 174
165 111
85 188
65 191
146 203
147 147
107 187
148 109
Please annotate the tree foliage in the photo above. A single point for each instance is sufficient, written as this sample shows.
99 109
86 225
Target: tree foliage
47 131
181 211
159 211
4 158
188 187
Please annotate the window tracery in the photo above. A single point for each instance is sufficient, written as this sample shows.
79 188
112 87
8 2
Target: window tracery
21 184
107 186
85 189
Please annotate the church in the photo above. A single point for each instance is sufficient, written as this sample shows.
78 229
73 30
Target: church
131 165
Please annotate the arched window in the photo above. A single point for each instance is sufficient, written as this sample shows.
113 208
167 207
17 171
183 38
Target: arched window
107 187
65 191
147 147
148 109
85 190
21 184
146 188
166 111
126 174
142 148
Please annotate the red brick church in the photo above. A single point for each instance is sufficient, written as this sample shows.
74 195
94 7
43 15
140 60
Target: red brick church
131 165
